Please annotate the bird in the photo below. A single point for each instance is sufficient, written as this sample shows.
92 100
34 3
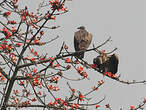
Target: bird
82 40
107 63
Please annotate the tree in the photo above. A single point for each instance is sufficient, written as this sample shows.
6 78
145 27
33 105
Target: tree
30 78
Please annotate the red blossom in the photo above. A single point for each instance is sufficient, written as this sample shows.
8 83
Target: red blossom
31 15
68 60
81 97
80 69
35 53
42 33
54 79
132 107
6 33
13 29
95 88
97 106
76 106
100 82
36 41
53 17
66 47
21 83
107 106
27 94
23 17
29 75
50 87
68 67
55 103
39 93
41 59
16 100
57 65
33 100
85 75
6 14
77 62
73 90
114 76
11 22
34 70
94 66
27 57
19 44
56 88
144 101
33 59
108 74
3 78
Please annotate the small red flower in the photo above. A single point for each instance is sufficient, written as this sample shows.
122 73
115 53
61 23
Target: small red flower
13 29
33 100
42 33
19 44
94 66
80 69
33 59
39 93
85 75
31 15
21 83
68 67
36 41
23 17
6 14
11 22
107 106
114 76
68 60
97 106
95 88
100 82
73 90
66 47
81 97
57 65
34 70
53 17
27 57
132 107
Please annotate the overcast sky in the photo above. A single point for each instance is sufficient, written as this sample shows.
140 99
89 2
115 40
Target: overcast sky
125 22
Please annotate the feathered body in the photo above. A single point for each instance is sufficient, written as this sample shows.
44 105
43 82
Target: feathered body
82 40
107 63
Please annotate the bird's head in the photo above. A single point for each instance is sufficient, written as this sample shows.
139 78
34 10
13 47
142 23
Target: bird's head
81 27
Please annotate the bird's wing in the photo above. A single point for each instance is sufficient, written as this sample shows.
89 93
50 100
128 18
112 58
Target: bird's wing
90 38
76 43
114 61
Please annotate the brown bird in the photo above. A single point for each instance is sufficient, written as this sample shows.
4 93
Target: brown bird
107 63
82 40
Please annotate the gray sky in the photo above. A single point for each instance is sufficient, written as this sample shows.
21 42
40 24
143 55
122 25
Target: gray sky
125 22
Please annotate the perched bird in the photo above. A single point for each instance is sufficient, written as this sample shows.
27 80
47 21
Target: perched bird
100 61
82 40
107 63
